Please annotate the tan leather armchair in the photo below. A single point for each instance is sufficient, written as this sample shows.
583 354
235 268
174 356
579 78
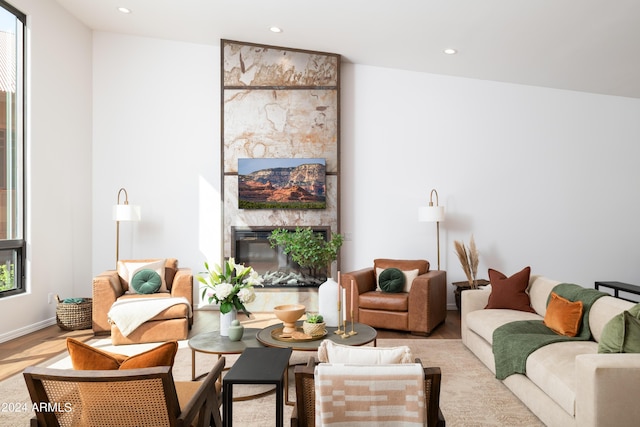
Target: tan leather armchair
418 311
172 323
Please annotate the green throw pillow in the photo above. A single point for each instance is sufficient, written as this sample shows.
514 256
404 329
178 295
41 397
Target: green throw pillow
146 281
391 280
622 333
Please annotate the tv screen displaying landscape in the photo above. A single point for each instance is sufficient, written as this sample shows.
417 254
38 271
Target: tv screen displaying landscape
281 184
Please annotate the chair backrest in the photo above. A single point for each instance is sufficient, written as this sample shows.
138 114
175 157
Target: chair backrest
134 397
170 269
305 411
421 265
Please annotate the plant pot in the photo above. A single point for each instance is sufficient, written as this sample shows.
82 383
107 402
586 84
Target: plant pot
314 329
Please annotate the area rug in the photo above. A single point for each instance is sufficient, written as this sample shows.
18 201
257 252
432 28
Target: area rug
470 396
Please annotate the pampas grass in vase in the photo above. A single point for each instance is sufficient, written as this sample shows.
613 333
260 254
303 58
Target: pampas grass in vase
469 260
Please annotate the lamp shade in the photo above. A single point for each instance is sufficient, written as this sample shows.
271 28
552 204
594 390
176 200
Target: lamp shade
126 213
431 214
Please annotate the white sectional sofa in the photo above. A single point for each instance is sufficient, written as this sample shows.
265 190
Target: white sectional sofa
566 383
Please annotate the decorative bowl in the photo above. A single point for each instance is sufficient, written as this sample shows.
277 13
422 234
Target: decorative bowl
289 314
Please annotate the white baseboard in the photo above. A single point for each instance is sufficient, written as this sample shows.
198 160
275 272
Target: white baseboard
27 330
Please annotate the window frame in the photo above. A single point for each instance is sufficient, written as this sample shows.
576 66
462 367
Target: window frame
19 246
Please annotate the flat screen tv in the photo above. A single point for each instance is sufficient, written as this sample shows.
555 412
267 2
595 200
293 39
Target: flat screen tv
281 183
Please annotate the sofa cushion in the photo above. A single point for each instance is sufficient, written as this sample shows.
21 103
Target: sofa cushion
127 269
330 352
552 369
484 322
563 316
602 311
539 289
146 281
622 333
377 300
177 311
85 357
409 276
510 292
391 280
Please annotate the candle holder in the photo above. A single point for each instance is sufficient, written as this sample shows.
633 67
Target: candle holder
345 334
339 331
352 331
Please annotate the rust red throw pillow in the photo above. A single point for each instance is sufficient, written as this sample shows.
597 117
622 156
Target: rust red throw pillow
510 292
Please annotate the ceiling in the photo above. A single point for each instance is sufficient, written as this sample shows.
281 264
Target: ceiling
580 45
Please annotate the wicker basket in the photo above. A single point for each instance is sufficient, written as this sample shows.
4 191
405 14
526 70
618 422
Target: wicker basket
72 316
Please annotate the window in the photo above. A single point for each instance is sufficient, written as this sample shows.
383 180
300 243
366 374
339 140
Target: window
12 244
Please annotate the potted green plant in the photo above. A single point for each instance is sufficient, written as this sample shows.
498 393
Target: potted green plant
308 248
314 325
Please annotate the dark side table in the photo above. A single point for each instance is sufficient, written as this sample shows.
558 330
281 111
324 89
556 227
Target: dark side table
619 287
463 286
257 366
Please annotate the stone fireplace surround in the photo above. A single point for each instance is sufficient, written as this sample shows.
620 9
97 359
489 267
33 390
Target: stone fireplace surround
278 103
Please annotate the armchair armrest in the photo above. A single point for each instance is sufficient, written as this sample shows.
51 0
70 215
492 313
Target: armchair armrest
427 301
364 281
106 288
205 403
604 384
183 285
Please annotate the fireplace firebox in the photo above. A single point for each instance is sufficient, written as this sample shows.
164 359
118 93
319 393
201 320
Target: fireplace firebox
250 246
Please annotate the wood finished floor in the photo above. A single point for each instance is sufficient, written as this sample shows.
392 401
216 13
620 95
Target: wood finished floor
37 347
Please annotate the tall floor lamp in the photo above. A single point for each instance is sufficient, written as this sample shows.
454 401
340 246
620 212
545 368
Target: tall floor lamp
435 214
123 212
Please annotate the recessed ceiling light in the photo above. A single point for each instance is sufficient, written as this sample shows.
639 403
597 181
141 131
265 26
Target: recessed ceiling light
450 51
275 29
124 10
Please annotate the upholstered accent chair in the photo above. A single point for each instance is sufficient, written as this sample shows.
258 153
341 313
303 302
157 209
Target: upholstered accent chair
304 411
132 397
133 282
418 307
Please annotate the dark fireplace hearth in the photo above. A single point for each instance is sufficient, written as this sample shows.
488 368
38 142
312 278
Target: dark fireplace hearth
250 246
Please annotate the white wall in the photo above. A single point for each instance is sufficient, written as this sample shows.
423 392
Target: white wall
59 172
157 134
541 177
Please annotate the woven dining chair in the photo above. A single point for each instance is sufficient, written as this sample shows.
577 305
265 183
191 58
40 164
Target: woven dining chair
304 411
133 397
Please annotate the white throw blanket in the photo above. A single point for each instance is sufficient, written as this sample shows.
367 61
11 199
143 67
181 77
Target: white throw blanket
128 314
